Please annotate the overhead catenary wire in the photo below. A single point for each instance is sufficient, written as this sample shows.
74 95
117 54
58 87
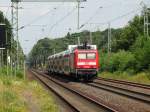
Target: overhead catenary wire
104 23
87 22
97 10
114 19
4 6
35 20
109 28
52 28
6 14
40 17
62 19
8 7
124 15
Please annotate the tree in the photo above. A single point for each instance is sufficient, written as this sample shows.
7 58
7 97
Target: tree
141 49
68 35
11 47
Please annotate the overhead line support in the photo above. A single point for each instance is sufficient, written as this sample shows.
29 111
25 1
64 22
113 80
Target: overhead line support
146 20
15 20
15 31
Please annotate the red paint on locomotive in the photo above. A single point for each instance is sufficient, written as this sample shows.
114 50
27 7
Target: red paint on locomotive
80 63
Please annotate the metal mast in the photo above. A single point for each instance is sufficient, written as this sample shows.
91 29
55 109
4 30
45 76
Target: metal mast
78 20
109 38
15 20
15 28
146 21
146 14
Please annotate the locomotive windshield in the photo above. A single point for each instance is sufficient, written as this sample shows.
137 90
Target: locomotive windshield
91 56
86 56
82 56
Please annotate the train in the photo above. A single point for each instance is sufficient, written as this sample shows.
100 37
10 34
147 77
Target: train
78 61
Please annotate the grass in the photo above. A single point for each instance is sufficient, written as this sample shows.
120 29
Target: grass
18 95
143 77
10 101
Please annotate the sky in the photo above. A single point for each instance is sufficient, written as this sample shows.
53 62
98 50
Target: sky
55 20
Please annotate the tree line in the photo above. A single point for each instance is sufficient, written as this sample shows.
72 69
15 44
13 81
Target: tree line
11 44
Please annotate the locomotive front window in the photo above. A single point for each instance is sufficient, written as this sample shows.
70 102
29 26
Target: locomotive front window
82 56
86 56
91 55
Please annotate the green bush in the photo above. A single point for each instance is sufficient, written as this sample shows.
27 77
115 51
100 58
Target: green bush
4 71
10 102
142 77
19 74
120 61
141 50
105 61
123 61
102 61
7 81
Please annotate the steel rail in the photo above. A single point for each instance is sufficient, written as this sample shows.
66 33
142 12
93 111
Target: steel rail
144 86
74 109
92 99
121 91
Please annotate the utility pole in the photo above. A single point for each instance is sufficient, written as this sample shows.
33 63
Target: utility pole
15 30
1 56
7 51
17 35
109 38
78 23
78 40
54 51
3 43
78 18
0 59
146 19
24 63
15 18
90 36
11 53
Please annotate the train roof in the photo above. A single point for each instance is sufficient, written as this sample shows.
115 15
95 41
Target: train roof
71 48
60 54
91 47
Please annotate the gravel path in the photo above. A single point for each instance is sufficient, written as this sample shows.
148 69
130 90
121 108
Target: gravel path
32 105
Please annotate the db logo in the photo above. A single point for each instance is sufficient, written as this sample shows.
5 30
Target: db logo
86 63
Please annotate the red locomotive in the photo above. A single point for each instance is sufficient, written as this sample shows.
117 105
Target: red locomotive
79 61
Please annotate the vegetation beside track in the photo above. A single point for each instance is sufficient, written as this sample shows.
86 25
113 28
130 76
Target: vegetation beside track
19 95
143 77
11 44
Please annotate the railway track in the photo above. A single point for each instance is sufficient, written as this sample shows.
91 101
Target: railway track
144 86
78 101
71 107
140 96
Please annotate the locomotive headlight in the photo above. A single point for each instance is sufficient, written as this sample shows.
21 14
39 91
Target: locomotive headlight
86 63
92 63
81 63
